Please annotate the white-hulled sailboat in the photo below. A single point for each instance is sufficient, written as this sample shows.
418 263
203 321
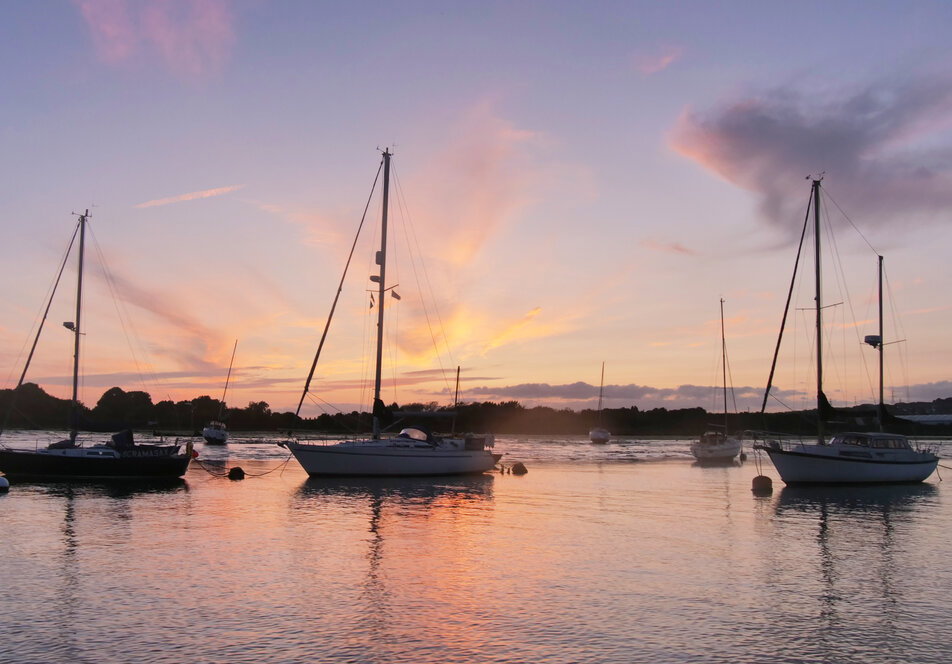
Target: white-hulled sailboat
413 451
599 434
718 445
851 457
215 432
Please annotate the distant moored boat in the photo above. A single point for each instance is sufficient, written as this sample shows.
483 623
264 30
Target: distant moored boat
718 446
215 432
599 434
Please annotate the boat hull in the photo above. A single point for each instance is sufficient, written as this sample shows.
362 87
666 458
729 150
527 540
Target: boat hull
214 436
599 436
376 460
92 464
814 464
721 451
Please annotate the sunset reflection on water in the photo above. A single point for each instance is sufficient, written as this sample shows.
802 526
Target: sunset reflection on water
586 560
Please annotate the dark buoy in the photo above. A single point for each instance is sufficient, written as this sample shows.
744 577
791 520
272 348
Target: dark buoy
236 473
762 486
519 468
4 485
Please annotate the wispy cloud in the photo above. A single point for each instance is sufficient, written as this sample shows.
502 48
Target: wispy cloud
657 61
514 330
927 310
185 339
884 146
668 247
484 176
192 37
193 196
482 180
319 228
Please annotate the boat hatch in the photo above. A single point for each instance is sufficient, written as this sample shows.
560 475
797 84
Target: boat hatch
415 433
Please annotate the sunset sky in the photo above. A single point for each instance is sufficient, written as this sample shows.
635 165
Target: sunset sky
585 182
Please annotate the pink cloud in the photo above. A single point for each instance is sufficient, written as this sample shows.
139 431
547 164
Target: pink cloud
884 144
192 37
113 29
656 62
486 177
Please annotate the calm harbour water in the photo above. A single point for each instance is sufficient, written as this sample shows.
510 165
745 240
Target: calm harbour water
627 552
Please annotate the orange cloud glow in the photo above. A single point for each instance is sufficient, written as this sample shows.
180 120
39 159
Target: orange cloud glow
521 329
484 178
689 140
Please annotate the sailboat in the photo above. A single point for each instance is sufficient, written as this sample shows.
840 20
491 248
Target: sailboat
68 459
716 445
850 457
215 432
414 451
599 434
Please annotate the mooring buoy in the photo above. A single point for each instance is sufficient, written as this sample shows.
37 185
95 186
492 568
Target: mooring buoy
519 468
236 473
762 485
4 485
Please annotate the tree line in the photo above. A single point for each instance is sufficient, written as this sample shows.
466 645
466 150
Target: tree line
32 408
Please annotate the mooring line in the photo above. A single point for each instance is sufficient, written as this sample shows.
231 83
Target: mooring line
228 472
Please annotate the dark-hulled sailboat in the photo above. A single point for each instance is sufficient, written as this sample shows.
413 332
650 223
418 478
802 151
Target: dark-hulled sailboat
119 457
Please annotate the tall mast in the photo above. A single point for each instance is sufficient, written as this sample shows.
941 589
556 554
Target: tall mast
381 287
819 307
724 365
601 387
221 406
882 406
74 404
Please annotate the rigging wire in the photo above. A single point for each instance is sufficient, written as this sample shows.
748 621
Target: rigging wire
122 313
310 375
843 285
900 336
327 407
412 241
850 221
38 326
367 349
39 318
845 372
730 378
786 309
